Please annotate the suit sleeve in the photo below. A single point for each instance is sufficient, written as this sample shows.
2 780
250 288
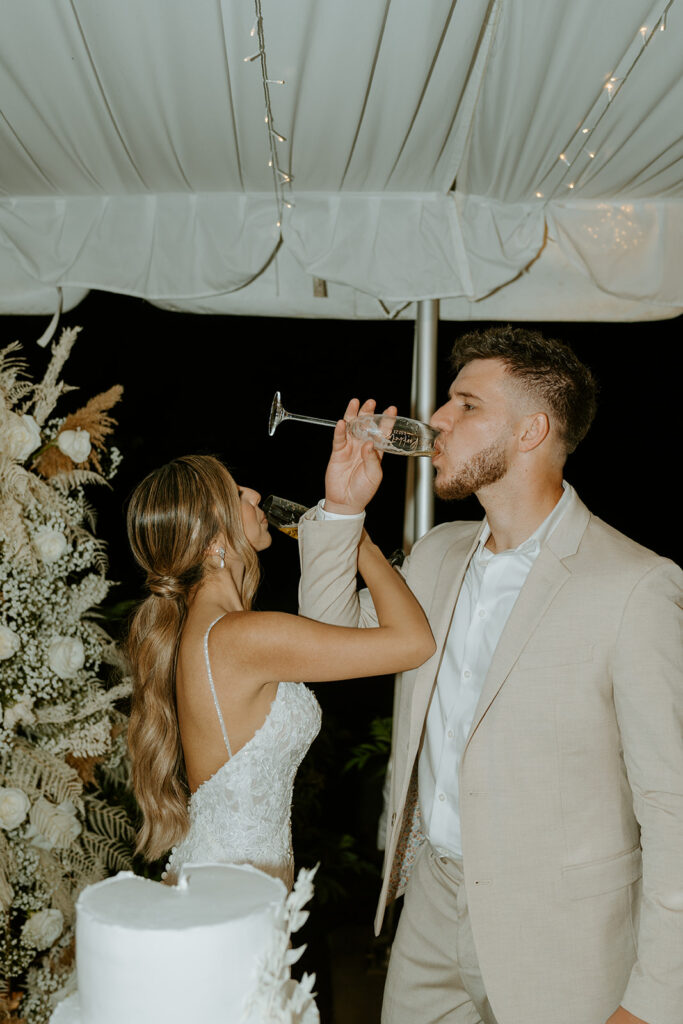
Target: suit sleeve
648 695
328 552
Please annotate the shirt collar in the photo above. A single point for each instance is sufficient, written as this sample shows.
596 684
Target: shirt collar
532 545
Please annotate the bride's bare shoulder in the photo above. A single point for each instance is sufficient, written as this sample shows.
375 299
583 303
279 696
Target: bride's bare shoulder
246 630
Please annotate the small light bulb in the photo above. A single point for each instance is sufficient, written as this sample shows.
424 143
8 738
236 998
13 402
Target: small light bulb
275 81
563 158
592 156
585 131
539 195
662 26
570 185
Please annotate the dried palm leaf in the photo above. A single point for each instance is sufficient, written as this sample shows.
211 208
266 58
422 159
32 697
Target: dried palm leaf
39 772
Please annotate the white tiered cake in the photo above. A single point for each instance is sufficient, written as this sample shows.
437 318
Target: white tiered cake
211 949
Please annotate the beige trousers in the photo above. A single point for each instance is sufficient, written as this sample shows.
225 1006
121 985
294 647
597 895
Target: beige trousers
433 975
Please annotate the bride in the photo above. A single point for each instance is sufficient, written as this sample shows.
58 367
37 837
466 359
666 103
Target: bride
215 738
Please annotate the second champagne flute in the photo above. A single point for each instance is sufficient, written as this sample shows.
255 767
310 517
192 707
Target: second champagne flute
396 434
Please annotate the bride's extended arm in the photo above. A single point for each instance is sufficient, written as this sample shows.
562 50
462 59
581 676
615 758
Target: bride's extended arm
266 646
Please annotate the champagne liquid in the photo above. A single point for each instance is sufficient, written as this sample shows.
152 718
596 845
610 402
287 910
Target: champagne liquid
291 531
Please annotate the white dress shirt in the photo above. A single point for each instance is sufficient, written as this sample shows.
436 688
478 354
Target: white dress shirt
489 590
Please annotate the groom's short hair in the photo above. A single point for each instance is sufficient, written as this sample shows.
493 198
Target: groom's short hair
547 368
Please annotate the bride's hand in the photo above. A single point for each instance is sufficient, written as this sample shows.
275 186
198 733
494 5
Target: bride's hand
354 471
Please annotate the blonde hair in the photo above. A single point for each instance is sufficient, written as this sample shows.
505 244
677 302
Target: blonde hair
173 517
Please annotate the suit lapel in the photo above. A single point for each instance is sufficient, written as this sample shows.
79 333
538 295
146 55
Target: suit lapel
548 574
445 595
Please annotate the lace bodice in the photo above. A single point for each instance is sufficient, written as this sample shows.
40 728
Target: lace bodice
241 815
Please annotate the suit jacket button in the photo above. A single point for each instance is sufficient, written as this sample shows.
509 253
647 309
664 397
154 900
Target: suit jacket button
393 819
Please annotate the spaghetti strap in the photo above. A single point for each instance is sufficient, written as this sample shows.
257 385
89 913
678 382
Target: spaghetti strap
211 684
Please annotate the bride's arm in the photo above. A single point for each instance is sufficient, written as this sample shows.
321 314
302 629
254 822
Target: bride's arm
265 646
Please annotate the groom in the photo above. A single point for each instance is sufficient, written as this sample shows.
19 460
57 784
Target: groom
536 807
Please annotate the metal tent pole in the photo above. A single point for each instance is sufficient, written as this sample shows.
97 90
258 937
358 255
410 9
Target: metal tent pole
419 510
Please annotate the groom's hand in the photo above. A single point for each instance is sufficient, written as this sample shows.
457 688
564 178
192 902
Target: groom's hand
354 471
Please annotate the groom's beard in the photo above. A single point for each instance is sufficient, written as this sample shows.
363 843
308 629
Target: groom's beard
483 469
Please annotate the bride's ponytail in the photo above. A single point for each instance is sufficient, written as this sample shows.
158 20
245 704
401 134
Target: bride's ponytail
173 516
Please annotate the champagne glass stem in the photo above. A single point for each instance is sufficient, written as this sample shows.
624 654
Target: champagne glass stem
309 419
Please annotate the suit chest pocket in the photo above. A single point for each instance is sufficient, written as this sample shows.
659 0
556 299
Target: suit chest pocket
557 657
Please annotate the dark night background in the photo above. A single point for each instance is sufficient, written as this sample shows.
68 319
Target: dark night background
204 384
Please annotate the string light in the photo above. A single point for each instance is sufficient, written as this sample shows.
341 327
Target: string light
612 87
280 178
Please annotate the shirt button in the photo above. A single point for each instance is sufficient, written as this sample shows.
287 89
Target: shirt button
442 796
467 673
482 613
450 734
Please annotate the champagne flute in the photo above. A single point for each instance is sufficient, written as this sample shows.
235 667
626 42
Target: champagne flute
396 434
283 514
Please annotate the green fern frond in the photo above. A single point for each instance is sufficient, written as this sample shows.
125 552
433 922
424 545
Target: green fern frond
109 821
114 855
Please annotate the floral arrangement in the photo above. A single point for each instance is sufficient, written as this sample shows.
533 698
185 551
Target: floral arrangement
62 739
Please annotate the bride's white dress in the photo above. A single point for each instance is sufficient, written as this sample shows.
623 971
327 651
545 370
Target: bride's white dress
242 814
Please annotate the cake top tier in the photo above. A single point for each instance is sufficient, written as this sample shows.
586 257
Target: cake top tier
206 894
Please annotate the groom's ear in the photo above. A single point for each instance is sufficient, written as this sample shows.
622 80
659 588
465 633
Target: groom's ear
535 429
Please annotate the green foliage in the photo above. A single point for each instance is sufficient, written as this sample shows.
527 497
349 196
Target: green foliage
373 754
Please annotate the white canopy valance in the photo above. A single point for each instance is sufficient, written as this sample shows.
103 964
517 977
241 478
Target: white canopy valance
517 160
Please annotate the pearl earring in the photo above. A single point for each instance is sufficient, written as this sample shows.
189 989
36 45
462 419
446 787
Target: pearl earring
221 552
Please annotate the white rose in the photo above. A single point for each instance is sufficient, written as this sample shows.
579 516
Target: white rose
22 436
75 444
14 805
53 824
19 712
49 544
43 928
9 643
66 656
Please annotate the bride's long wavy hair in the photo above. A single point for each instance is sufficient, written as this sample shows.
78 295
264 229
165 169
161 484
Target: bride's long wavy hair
174 516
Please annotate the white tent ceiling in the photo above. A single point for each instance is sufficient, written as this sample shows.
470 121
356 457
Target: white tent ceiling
518 159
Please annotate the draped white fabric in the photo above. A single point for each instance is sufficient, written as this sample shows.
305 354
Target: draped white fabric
423 139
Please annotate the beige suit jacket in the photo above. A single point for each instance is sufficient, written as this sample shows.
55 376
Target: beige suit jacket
571 783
